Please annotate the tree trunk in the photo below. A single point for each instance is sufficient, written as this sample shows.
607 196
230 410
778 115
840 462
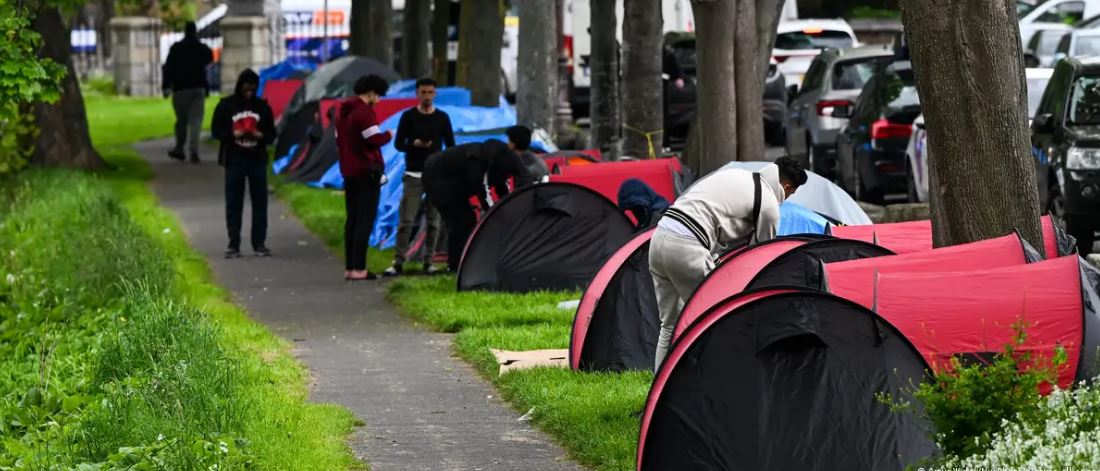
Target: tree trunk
360 25
643 94
414 43
441 18
380 34
481 36
537 94
63 139
604 61
970 76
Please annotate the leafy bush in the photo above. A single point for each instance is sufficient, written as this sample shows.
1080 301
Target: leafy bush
1062 433
967 403
25 78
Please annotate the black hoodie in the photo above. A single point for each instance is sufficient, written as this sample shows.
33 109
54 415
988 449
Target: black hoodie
248 115
185 67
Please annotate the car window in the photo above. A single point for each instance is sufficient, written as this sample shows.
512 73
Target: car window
814 75
1063 44
865 104
1084 101
813 38
1086 46
1023 8
1067 13
1035 89
852 75
1052 42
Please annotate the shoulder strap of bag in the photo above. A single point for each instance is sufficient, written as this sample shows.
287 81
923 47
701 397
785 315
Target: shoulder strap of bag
755 203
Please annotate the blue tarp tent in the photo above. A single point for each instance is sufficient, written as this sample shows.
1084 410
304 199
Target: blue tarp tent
796 219
291 67
444 96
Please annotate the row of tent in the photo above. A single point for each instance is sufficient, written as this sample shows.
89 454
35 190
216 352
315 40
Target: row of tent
779 355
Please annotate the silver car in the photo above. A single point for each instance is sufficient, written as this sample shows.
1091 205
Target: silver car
835 78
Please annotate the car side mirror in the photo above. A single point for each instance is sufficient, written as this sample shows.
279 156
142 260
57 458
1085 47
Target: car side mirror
842 111
1044 123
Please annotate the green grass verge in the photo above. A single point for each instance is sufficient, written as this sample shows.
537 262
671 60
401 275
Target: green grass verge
167 373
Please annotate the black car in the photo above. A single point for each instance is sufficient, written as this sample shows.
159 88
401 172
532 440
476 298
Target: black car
871 162
1065 140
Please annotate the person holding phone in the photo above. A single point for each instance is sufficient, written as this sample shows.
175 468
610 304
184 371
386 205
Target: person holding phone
245 126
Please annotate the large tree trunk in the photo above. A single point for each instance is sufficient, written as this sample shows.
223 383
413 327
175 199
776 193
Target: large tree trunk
643 120
414 43
734 39
481 36
537 94
380 35
63 138
360 25
604 61
441 18
969 70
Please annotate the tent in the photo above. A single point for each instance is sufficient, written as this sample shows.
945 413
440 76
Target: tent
617 322
785 379
278 93
564 158
663 175
793 261
819 195
916 236
550 236
291 68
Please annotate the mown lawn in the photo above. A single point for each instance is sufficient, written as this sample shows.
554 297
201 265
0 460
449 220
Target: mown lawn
595 417
118 350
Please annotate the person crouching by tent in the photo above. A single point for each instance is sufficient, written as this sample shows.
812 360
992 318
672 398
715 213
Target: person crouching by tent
359 142
640 200
245 126
726 207
519 141
457 174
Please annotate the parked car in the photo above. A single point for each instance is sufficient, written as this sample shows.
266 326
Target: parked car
1056 12
797 42
835 78
917 153
1083 42
1065 140
871 147
1043 45
775 105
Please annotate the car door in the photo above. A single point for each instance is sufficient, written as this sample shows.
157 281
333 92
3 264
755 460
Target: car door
1043 141
803 104
849 140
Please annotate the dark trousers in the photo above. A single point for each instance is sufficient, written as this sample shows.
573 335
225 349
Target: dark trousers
460 219
238 170
361 205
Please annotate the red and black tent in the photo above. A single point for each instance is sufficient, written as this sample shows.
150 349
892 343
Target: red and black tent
664 176
550 236
916 236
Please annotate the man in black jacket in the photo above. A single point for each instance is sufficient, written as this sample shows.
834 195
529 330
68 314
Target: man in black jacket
185 78
454 176
245 125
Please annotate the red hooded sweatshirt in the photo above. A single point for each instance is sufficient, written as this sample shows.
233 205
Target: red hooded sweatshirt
358 138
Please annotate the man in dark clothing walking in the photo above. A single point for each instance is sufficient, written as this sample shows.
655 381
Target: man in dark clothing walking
185 78
454 176
359 142
422 131
245 126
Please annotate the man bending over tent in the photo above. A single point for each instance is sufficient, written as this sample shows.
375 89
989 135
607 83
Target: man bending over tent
459 173
639 199
726 207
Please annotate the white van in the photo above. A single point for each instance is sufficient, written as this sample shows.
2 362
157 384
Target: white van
1056 14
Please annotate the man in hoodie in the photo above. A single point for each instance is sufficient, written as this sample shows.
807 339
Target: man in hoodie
359 142
726 208
639 199
245 125
454 176
185 78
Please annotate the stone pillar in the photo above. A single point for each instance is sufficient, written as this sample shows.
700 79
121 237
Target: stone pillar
246 43
135 45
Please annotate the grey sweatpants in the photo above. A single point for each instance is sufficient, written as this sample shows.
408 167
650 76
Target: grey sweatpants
678 265
411 201
188 105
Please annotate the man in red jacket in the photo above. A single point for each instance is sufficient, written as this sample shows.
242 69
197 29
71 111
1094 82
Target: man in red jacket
360 141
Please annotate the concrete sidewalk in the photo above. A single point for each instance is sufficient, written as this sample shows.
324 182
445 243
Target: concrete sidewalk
424 409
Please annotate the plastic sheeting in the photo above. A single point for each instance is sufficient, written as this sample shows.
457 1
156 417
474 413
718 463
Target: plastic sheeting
797 219
819 194
292 67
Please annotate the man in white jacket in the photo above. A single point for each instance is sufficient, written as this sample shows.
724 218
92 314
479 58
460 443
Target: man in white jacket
725 208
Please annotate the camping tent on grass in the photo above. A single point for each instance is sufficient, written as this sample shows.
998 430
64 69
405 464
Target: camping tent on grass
916 236
605 178
819 195
551 236
784 379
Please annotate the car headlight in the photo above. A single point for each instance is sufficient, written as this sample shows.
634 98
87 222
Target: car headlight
1083 159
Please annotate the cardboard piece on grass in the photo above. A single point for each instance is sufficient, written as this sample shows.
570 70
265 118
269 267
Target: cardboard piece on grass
509 361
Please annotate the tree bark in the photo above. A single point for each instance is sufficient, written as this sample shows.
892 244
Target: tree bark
969 70
604 61
537 94
63 138
643 120
414 43
380 34
481 36
360 25
441 18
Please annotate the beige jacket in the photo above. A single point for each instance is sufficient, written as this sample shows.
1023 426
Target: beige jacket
720 205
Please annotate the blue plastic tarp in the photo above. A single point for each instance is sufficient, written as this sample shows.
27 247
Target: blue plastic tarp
287 68
796 219
444 96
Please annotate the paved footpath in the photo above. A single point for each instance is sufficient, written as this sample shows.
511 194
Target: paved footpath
423 408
